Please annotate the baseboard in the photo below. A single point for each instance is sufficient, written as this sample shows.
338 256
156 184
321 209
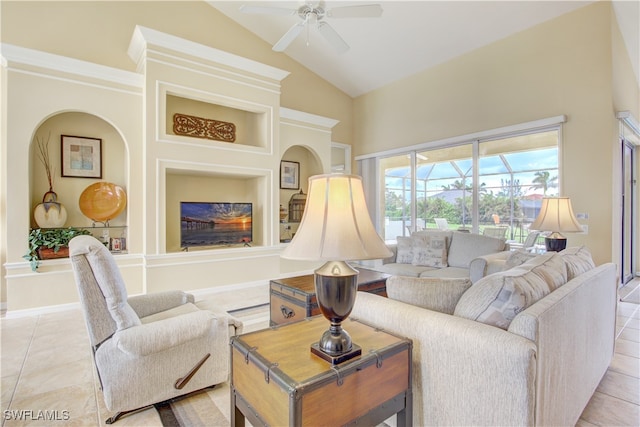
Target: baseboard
262 285
204 292
29 312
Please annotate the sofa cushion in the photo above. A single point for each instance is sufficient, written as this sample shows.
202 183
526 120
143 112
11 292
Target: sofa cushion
429 250
452 272
496 299
396 269
404 254
577 260
467 246
439 294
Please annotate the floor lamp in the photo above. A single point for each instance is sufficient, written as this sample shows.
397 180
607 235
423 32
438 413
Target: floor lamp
336 227
556 215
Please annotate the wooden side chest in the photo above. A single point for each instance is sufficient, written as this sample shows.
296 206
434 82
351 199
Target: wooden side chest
277 381
294 298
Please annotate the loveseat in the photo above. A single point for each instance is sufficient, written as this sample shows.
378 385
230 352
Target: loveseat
436 253
525 346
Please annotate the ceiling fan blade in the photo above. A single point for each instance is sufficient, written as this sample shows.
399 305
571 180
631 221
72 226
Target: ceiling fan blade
264 10
333 37
361 11
288 37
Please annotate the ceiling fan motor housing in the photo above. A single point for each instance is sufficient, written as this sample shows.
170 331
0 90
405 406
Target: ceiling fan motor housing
311 13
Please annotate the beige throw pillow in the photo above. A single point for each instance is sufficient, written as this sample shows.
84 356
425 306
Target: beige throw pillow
577 260
429 251
496 299
405 250
550 268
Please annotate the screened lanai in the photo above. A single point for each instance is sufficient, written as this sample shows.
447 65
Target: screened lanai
512 175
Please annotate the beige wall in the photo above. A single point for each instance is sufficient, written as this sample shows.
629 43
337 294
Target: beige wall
574 65
100 32
561 67
626 97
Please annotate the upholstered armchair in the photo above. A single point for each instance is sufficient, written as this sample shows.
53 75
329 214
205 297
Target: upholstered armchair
148 348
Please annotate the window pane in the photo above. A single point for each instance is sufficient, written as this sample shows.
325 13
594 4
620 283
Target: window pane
445 192
515 173
396 182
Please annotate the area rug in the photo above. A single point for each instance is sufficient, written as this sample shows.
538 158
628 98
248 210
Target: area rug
196 410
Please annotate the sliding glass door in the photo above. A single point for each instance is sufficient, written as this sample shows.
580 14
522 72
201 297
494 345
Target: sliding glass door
492 185
628 212
515 173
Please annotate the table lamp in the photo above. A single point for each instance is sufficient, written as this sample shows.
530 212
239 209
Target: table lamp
336 228
556 215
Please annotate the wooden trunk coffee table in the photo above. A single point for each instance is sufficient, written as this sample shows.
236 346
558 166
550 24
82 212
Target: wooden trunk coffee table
294 298
277 381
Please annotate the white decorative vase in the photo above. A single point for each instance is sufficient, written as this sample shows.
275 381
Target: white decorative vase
50 213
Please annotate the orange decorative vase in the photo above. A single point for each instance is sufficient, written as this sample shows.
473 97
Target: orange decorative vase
50 213
102 201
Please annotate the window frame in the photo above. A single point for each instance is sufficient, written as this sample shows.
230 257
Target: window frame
372 182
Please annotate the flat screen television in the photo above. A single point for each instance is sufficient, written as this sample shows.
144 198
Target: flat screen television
215 224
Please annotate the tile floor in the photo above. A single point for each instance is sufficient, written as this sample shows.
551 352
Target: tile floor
46 366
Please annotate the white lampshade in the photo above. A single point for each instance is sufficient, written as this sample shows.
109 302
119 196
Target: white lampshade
556 214
336 225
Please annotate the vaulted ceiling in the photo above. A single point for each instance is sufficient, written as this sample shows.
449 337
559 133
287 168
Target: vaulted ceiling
410 36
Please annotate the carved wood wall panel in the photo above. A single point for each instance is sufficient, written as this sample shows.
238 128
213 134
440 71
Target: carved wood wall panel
199 127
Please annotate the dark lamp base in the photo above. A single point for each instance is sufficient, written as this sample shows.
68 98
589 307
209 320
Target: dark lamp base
555 244
338 358
336 288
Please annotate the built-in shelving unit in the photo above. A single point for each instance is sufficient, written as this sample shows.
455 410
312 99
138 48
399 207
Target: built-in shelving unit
133 114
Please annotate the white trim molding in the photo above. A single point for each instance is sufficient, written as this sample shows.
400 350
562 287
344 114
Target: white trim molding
627 118
16 57
301 116
491 133
143 37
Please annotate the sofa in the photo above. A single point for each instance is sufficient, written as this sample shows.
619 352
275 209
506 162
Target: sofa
524 346
437 253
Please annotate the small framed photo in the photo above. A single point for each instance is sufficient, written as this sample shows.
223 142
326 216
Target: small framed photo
81 157
116 244
289 175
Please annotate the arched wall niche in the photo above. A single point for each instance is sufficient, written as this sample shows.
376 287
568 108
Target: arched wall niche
310 164
115 163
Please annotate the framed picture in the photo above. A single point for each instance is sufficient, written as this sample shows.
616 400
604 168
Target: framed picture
81 157
289 175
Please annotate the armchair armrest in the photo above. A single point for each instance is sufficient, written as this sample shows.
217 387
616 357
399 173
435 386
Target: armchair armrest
157 336
487 264
434 293
234 323
148 304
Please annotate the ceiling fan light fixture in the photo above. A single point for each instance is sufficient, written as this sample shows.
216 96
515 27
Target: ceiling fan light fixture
312 18
311 14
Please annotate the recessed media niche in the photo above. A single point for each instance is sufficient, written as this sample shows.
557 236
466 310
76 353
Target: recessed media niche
249 127
222 195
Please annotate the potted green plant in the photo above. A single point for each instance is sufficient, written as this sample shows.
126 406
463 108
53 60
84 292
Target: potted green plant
48 243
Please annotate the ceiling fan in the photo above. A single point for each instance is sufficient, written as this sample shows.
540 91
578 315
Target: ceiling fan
313 15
